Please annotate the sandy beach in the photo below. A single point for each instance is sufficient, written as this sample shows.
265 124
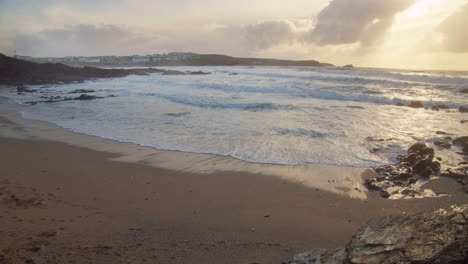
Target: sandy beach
62 203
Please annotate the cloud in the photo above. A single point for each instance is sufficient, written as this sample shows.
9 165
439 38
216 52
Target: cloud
82 39
270 33
105 39
455 32
352 21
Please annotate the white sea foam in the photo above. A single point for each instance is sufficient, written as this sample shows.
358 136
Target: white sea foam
280 115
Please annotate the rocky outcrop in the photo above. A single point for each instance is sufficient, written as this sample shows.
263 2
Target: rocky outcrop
14 71
56 99
462 109
439 107
87 97
437 237
82 91
399 179
416 104
19 72
463 142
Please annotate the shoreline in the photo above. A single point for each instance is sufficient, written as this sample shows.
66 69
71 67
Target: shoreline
345 180
72 197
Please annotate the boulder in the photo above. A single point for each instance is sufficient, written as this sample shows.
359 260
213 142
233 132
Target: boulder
416 104
82 91
394 179
463 142
439 107
443 144
463 109
437 237
87 97
198 73
173 72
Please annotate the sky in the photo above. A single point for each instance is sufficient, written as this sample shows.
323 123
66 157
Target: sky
406 34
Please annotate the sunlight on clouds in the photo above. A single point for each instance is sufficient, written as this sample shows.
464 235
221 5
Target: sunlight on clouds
401 34
421 8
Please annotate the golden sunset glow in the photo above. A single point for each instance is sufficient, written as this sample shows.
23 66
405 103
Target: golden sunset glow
419 34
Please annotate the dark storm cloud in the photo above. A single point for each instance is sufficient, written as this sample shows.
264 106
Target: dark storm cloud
455 31
352 21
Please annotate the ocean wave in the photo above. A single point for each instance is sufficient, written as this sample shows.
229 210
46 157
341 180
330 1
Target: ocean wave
375 80
300 132
204 102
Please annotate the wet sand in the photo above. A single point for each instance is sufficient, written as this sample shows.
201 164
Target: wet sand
61 203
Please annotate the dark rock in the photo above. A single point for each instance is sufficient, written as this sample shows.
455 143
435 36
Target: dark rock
172 72
463 142
463 109
82 91
464 90
348 66
437 237
441 133
87 97
443 144
24 89
399 104
416 104
384 194
464 121
15 71
416 165
439 107
199 73
374 150
233 73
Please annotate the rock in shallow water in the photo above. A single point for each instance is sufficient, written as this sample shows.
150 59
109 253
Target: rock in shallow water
416 104
437 237
399 178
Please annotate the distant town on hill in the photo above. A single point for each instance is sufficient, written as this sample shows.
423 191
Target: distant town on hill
169 59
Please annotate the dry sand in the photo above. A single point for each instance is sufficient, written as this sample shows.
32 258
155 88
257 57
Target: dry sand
61 203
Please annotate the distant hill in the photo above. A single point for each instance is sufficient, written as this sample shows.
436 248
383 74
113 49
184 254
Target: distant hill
173 59
17 72
223 60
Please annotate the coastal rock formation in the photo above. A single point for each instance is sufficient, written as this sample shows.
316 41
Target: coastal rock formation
174 72
56 99
463 142
87 97
398 179
82 91
439 107
437 237
463 109
416 104
14 71
19 72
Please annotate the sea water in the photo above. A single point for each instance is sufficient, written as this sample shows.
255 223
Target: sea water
277 115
